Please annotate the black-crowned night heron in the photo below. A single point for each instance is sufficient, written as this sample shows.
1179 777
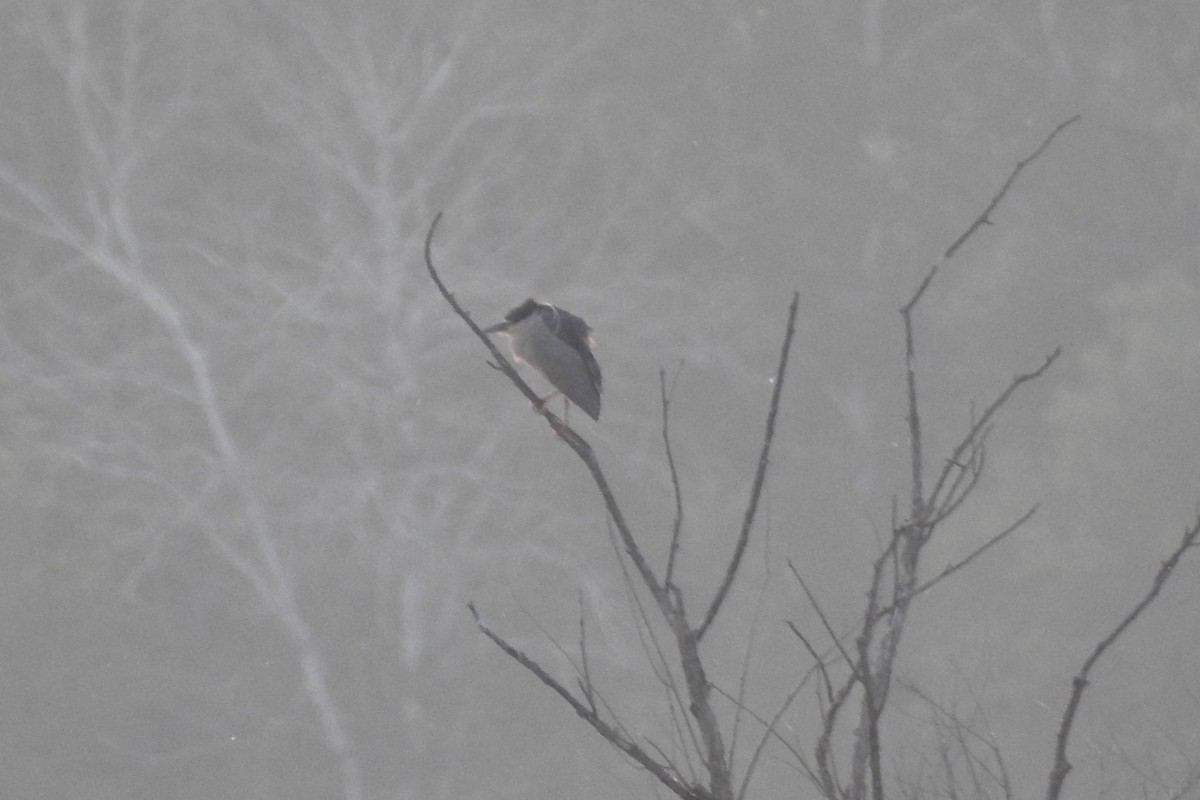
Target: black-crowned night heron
557 344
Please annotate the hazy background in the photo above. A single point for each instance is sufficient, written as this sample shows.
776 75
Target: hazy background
253 468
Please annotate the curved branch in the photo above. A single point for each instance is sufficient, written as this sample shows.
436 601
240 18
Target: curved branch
1058 773
759 476
677 525
567 434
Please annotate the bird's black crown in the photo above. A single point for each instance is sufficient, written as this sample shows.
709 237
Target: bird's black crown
522 311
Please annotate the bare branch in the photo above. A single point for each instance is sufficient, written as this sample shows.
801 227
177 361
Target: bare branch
955 567
771 732
666 776
677 524
972 435
1062 766
826 766
586 678
915 441
744 677
818 659
948 723
965 479
760 475
985 217
958 565
824 622
918 509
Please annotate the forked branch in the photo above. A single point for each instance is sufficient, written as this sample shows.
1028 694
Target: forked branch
611 733
896 569
707 739
918 502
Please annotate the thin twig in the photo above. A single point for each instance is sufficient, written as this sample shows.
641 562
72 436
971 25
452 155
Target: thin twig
771 731
744 677
656 658
985 217
677 524
818 659
969 473
955 567
812 600
949 718
586 678
983 422
826 760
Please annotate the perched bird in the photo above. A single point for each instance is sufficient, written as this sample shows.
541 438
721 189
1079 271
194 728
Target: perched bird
557 344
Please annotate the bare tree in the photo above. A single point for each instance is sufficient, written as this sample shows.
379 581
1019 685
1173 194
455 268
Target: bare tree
867 656
693 691
118 132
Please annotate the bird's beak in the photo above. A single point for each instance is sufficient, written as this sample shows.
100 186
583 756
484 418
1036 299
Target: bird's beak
499 327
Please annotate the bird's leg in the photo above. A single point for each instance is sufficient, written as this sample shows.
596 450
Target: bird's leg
541 403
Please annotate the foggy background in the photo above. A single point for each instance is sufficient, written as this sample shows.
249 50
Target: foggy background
253 468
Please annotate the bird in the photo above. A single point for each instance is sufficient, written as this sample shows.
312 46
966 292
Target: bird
557 344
